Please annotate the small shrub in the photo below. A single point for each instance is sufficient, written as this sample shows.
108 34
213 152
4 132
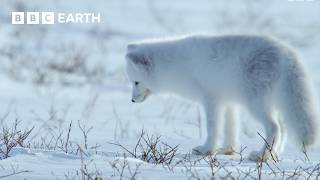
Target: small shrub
12 137
152 150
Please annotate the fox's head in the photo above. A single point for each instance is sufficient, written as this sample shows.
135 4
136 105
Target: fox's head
139 67
139 92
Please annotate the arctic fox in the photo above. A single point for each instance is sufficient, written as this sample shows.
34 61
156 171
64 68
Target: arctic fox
219 72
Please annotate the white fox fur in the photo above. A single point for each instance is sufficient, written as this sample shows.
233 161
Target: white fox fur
219 72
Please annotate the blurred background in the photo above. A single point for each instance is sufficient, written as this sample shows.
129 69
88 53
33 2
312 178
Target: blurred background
51 75
82 54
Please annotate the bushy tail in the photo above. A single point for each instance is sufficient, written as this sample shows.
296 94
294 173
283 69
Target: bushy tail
298 104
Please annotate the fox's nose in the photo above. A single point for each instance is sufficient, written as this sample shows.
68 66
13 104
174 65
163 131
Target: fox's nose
132 100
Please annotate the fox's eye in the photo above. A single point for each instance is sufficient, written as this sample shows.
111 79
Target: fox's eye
136 83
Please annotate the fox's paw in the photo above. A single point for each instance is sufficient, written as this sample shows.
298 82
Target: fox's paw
264 156
227 151
203 150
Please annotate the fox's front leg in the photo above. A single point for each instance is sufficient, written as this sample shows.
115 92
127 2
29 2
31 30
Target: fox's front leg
231 128
213 116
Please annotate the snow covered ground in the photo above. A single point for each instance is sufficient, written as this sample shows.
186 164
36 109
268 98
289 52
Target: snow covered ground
68 82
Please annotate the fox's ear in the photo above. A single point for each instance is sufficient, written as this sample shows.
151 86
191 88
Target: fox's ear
139 59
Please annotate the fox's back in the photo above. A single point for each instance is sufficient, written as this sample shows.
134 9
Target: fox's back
211 52
226 63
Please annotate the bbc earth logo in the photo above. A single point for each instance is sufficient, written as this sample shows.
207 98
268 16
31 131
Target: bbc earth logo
52 18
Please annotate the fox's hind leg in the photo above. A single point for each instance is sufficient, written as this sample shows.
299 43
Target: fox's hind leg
262 112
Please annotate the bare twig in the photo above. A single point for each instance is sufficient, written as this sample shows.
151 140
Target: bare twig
15 173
